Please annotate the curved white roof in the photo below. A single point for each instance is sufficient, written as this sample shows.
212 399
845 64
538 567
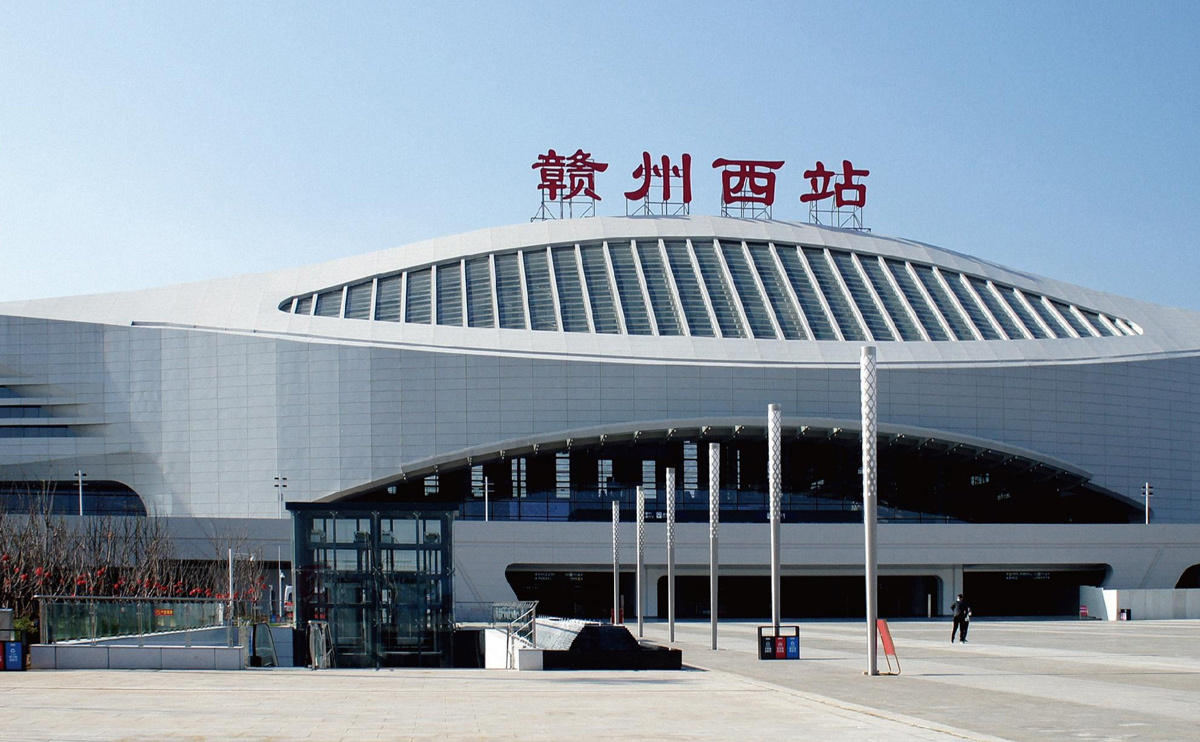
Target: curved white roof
666 289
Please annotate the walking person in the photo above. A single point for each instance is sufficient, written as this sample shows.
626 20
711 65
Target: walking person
962 619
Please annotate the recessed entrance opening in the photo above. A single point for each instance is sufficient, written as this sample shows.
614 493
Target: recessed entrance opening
1190 579
1029 592
574 594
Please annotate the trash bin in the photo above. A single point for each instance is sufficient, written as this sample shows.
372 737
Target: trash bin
14 655
1124 614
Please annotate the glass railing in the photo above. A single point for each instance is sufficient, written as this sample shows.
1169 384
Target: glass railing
66 618
691 506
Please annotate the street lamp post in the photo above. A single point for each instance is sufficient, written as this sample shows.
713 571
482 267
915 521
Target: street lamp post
81 474
231 556
280 486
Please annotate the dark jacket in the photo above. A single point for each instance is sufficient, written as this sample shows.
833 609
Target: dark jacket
961 609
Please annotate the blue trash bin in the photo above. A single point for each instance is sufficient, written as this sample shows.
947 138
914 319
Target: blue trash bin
14 655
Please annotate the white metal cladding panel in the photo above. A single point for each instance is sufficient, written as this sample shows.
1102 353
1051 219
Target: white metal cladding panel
200 423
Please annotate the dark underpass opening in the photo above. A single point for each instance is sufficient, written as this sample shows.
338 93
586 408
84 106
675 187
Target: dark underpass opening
588 594
826 596
581 594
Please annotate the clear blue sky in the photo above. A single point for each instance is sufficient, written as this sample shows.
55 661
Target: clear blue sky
149 144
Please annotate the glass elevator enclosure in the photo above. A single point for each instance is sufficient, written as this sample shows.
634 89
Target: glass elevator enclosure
380 577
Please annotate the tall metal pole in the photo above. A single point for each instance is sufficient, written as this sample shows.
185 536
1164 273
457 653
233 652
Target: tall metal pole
714 520
1147 489
81 474
641 560
487 509
616 520
774 474
231 586
870 483
279 569
671 555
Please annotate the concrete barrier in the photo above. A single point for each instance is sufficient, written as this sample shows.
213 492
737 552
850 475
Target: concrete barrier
109 657
529 659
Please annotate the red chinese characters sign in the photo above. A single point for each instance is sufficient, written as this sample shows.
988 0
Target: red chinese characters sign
820 191
575 174
748 186
662 185
664 174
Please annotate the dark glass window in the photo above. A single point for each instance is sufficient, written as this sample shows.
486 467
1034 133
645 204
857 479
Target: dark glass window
838 303
570 292
743 281
541 297
806 294
358 301
690 295
595 272
718 290
861 296
656 284
977 314
510 300
629 289
387 299
993 304
62 498
417 296
925 314
479 293
329 303
892 303
449 294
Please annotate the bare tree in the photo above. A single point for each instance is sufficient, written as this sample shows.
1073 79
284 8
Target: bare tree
42 553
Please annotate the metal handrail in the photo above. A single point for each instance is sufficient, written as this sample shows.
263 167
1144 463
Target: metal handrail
520 625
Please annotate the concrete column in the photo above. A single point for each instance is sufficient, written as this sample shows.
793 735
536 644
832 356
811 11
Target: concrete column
952 588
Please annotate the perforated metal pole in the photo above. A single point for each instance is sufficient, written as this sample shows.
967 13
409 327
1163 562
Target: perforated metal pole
230 586
671 555
641 559
616 520
870 483
714 520
774 474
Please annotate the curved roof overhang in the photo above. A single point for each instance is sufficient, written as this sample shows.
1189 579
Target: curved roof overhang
724 429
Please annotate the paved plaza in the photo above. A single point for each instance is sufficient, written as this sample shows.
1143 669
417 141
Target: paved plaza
1015 680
